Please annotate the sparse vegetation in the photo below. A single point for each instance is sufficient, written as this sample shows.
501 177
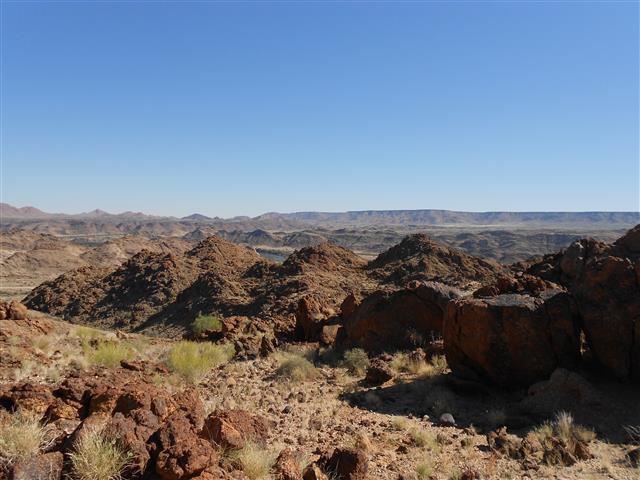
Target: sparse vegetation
206 323
295 367
97 456
254 460
400 423
423 438
193 360
86 334
110 354
22 436
424 470
564 429
356 361
403 362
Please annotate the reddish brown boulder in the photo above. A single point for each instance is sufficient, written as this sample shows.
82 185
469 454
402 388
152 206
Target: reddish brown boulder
512 340
13 311
314 472
47 466
349 305
309 318
286 467
401 319
186 459
233 428
347 463
36 398
378 372
605 281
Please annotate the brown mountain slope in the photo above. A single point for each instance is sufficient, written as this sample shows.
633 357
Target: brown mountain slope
418 257
164 292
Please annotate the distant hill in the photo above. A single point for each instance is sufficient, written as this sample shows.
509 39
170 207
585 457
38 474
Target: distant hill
356 219
452 218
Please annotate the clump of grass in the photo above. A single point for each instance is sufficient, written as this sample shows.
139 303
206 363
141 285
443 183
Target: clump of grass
97 456
399 423
295 367
565 429
193 360
403 362
22 436
110 354
42 343
254 460
206 323
356 361
86 334
424 470
423 438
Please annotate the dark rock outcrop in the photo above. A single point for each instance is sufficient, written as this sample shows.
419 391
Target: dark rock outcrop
512 340
400 319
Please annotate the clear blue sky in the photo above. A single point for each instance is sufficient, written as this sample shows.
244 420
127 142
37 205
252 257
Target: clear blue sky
243 108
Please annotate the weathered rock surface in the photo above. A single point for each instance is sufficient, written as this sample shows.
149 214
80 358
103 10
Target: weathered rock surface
512 340
401 319
12 311
605 281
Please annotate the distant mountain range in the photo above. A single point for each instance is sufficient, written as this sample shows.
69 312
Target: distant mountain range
356 219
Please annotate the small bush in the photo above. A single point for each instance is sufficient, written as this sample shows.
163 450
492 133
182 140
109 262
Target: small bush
399 423
254 460
565 429
295 367
206 323
423 438
86 334
424 470
356 361
22 436
110 354
97 456
193 360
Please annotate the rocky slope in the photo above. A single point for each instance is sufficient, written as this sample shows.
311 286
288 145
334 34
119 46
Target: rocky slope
166 291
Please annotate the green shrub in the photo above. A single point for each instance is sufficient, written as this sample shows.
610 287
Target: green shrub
206 323
193 360
110 354
356 361
295 367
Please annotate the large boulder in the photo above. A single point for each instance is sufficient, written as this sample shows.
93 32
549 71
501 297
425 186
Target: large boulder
404 318
512 340
605 281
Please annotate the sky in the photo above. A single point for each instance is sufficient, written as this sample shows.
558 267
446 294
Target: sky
247 107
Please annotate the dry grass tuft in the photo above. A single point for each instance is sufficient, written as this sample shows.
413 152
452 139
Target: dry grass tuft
356 361
424 470
193 360
424 439
254 460
295 367
22 436
97 456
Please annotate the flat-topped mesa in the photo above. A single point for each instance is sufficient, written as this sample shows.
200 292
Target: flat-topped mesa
418 257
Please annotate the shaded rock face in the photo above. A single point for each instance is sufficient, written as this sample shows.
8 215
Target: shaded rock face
400 319
512 340
605 281
12 311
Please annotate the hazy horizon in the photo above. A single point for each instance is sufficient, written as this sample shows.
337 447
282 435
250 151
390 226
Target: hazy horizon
231 109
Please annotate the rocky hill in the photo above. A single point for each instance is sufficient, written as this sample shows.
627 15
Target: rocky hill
165 291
